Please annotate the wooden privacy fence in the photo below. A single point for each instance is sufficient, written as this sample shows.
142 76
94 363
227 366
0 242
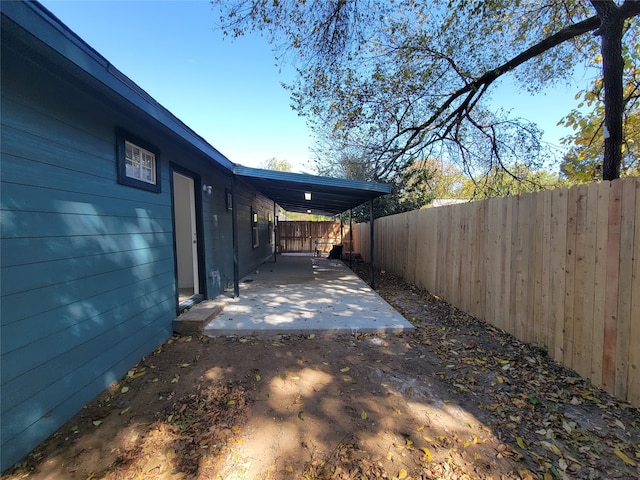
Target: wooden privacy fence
306 236
559 269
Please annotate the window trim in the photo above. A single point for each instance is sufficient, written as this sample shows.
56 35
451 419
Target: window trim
228 199
122 137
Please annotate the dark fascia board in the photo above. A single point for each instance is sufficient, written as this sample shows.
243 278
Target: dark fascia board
45 27
372 189
330 196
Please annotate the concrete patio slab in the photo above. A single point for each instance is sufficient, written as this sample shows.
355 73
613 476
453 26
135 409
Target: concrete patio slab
303 295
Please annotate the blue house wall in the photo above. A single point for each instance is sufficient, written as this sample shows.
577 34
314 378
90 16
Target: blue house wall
87 264
249 201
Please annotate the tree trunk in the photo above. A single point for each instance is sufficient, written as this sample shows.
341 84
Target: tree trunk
611 27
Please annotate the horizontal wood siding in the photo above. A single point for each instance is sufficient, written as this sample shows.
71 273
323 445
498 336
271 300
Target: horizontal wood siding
88 282
558 269
248 198
218 233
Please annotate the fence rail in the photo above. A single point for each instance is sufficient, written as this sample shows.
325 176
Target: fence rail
559 269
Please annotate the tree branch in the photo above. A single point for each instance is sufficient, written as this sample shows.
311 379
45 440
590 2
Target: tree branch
489 77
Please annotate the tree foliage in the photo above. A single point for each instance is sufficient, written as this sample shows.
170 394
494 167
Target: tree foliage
275 164
582 162
519 179
402 80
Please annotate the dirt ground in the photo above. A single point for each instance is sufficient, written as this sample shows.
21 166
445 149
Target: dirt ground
456 399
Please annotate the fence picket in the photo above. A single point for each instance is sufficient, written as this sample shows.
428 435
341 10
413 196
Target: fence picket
599 281
633 380
611 289
543 267
627 205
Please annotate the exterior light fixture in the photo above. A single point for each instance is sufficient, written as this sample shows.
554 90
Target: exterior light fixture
307 195
207 189
309 211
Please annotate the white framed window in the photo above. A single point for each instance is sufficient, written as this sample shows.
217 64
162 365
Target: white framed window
138 162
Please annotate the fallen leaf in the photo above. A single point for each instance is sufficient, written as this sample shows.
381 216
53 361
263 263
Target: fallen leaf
312 336
551 447
402 474
231 402
363 415
97 422
397 410
300 415
124 389
345 369
526 474
623 457
500 379
563 465
521 443
258 377
427 454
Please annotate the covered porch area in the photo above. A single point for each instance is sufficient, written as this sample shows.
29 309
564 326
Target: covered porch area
300 295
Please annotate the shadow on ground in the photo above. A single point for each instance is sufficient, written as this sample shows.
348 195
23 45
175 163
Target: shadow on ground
455 399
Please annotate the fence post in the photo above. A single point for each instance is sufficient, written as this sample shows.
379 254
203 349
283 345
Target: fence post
371 254
350 239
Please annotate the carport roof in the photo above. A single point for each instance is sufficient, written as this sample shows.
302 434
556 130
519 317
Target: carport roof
329 196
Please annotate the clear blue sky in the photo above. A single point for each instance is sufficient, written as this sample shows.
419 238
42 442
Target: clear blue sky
229 92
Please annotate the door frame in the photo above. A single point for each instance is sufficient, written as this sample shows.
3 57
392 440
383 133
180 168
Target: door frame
197 198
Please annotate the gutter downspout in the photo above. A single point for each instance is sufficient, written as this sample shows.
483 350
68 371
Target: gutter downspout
234 228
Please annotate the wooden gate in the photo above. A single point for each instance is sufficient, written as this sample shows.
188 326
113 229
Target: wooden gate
306 237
